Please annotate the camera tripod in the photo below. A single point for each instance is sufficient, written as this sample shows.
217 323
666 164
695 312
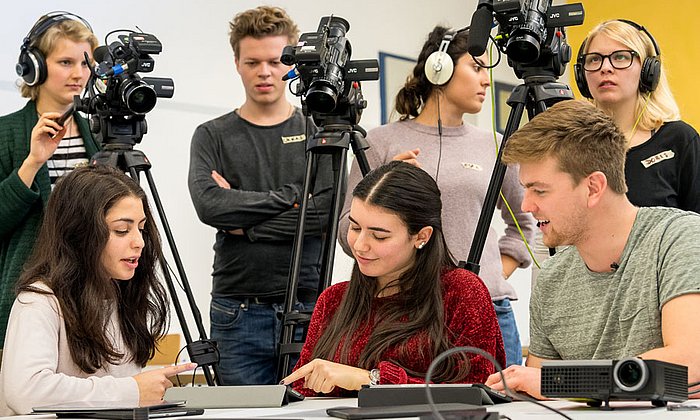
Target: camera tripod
133 162
535 95
335 138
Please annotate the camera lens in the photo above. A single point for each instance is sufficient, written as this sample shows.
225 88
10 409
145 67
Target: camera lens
321 97
138 96
630 374
524 48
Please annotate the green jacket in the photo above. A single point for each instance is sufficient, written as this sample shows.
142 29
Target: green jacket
21 208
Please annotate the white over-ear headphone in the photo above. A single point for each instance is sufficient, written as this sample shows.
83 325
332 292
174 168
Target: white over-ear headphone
439 66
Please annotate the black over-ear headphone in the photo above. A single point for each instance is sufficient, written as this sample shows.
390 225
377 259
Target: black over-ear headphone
439 66
31 64
648 78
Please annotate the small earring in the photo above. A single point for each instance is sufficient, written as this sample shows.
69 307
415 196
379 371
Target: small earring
422 244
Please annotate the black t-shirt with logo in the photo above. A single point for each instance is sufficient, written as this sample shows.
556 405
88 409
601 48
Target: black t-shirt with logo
665 170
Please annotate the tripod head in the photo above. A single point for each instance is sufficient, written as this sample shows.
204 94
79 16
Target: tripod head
348 111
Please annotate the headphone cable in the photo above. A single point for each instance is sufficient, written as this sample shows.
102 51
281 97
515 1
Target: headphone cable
439 124
639 118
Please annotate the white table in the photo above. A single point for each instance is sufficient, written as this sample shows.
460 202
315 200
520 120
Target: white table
314 408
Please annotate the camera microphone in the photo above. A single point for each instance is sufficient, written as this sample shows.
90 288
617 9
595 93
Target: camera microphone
479 31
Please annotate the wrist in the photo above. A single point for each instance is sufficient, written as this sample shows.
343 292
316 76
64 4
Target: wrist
31 164
28 170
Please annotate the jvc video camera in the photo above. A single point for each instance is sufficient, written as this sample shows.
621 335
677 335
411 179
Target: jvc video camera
323 65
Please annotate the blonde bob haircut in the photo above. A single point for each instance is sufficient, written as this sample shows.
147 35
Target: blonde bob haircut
70 29
662 106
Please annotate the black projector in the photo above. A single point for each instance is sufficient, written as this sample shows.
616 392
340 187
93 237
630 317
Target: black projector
601 381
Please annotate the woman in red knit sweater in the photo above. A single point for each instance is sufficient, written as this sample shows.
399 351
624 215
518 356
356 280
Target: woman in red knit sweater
406 301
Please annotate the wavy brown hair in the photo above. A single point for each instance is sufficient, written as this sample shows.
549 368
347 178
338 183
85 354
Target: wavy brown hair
418 309
417 89
261 22
67 258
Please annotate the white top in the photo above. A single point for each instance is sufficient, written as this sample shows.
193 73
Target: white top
37 368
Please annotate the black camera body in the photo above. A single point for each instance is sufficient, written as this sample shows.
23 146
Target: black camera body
120 98
532 35
119 66
602 381
326 73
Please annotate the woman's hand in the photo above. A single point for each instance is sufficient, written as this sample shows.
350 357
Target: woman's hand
46 135
323 376
409 156
153 383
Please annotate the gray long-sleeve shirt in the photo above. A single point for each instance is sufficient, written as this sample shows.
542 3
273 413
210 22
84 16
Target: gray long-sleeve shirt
466 158
265 167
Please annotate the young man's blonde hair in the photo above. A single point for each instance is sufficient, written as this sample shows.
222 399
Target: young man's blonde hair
261 22
70 29
582 138
662 106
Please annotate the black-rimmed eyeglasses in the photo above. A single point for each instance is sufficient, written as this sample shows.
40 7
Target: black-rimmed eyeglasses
620 60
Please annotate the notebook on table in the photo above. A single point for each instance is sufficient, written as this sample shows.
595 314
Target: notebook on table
116 410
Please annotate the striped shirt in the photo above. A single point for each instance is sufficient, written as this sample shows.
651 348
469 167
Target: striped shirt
70 154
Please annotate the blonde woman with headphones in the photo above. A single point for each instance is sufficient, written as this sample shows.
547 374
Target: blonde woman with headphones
34 148
445 84
619 68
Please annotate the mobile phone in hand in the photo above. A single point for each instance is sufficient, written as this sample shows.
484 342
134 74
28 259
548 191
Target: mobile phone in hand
62 119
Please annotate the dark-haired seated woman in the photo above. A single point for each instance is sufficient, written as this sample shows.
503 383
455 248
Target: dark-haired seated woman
90 307
406 301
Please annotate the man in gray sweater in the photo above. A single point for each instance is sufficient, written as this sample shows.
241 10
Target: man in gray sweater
628 285
246 179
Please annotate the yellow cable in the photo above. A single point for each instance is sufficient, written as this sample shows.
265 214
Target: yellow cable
639 117
495 140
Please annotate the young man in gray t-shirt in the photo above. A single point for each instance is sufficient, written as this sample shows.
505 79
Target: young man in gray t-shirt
628 285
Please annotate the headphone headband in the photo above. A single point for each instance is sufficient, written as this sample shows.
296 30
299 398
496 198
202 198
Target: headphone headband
641 28
49 20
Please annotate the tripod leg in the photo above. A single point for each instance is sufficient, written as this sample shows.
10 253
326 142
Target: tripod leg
289 326
339 174
207 352
359 145
517 101
292 320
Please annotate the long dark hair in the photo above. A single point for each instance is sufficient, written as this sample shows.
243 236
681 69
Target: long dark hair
417 310
417 89
67 258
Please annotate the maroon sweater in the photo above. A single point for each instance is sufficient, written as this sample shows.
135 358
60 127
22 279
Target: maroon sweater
469 319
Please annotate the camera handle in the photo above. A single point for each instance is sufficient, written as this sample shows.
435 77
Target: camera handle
536 95
204 351
333 139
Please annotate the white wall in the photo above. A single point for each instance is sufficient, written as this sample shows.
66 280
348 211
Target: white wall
196 54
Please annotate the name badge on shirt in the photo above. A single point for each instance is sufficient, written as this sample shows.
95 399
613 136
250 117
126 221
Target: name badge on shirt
653 160
293 139
472 166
